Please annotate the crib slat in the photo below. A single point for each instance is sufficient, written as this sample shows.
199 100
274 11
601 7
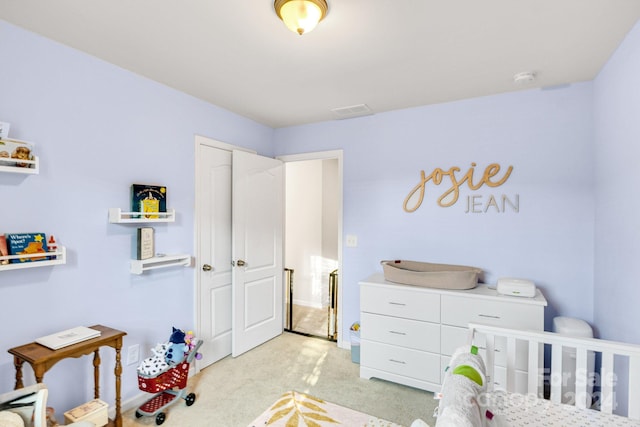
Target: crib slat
533 377
634 387
490 348
581 378
511 364
606 380
556 373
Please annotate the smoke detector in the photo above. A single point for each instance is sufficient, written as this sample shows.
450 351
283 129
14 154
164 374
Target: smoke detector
352 111
524 77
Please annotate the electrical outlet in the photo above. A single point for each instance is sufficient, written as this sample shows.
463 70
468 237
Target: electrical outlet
133 354
352 241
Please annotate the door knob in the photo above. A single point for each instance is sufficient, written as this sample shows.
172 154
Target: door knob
207 267
240 263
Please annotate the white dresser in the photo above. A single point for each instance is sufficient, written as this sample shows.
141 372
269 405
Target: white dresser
408 333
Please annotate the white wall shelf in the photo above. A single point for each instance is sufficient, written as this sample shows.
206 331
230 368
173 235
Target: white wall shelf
8 165
59 257
117 216
139 266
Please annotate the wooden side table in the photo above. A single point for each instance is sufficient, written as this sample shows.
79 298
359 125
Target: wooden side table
42 358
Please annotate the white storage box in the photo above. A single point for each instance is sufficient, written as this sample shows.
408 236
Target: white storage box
516 287
95 411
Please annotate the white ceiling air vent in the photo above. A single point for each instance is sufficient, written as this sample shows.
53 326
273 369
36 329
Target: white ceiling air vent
352 111
524 78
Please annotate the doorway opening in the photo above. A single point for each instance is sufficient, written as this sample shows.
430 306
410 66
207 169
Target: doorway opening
313 223
303 319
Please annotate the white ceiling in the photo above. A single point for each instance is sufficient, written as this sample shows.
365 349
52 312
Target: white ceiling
387 54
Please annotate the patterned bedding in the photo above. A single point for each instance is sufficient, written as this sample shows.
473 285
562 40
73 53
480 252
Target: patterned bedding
516 410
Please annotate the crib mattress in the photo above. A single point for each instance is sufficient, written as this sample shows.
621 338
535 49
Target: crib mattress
516 410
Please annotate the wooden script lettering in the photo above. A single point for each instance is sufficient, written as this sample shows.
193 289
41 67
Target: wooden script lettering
415 197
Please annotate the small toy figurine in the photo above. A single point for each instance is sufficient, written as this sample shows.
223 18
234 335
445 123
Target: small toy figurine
177 347
52 245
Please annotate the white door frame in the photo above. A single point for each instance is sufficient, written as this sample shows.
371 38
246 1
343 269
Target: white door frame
209 142
326 155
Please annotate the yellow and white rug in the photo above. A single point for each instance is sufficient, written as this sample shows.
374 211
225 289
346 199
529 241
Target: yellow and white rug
295 409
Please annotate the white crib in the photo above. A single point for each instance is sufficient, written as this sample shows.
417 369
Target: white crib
533 409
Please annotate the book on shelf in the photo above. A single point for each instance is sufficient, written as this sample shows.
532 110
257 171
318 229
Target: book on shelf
148 199
4 250
27 244
145 245
4 130
68 337
12 151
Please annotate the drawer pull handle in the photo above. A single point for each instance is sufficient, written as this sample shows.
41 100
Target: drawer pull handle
397 361
489 316
397 303
495 350
397 333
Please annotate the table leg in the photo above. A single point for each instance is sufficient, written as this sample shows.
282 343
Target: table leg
118 372
17 362
96 374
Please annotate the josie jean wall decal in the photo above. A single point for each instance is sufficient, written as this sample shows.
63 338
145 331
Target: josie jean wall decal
490 178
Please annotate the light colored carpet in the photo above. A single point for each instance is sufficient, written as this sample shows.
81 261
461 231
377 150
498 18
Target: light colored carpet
234 391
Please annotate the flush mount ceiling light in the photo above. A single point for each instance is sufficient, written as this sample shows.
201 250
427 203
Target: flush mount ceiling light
301 16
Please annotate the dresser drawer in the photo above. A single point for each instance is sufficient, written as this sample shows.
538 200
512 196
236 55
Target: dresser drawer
452 337
400 301
401 361
403 332
460 311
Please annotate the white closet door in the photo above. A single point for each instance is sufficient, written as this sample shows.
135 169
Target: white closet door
257 228
214 258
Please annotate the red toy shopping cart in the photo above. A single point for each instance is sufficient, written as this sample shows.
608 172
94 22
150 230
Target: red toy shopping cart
168 386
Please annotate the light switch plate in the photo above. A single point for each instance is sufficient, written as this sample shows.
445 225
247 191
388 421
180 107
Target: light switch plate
133 354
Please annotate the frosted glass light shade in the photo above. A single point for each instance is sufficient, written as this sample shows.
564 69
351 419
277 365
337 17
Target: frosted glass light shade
301 16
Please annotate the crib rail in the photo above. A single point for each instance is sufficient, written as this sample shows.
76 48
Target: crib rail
611 353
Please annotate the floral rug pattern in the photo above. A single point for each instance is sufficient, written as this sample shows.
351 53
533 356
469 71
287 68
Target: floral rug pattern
294 409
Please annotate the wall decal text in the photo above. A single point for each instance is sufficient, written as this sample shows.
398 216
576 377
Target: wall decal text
489 178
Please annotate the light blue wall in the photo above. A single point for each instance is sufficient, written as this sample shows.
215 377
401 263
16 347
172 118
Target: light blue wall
617 236
546 135
97 130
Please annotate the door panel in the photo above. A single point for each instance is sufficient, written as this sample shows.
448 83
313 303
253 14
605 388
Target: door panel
221 303
214 220
262 290
257 227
